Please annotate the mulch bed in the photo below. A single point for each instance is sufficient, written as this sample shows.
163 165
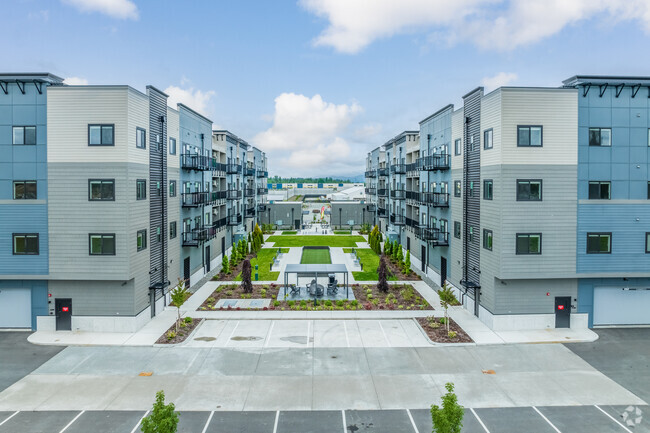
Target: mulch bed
183 333
233 271
439 335
397 271
398 297
235 291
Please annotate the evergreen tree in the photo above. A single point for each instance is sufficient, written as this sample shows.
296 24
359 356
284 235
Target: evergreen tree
247 285
407 262
388 247
225 265
400 256
233 258
394 251
382 284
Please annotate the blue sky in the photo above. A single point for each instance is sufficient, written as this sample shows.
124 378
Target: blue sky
318 83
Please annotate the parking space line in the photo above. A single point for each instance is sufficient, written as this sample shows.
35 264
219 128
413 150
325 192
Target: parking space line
546 419
415 428
384 332
268 335
231 334
73 420
613 419
11 416
347 339
345 428
139 422
277 418
308 330
207 423
480 421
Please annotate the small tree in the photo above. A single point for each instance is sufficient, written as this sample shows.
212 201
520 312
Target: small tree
449 418
249 238
225 265
233 258
247 285
394 250
447 298
387 247
162 419
400 257
179 294
382 284
407 262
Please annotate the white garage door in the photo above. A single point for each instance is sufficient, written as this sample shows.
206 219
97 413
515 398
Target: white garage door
615 306
15 308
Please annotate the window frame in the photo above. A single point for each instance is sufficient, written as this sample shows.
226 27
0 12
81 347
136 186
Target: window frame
528 235
172 188
458 229
541 189
90 198
458 188
101 134
173 232
600 136
102 235
541 135
458 147
24 128
137 190
139 131
487 233
647 243
25 235
24 183
600 234
143 246
488 132
172 140
600 185
486 183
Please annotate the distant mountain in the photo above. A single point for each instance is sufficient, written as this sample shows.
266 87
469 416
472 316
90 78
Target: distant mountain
359 178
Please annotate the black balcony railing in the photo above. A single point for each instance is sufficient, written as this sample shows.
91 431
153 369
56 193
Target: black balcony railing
398 168
233 194
412 169
434 236
382 192
435 162
435 199
261 207
234 220
250 211
382 172
371 190
217 166
195 199
262 173
262 191
412 195
219 223
381 212
410 222
397 194
249 171
189 240
397 220
193 161
249 192
371 173
218 195
371 207
233 168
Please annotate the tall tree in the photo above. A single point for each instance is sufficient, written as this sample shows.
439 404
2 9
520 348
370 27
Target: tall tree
247 285
382 284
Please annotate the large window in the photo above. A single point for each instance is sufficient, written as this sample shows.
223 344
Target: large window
529 243
529 136
487 139
25 190
172 146
24 135
457 229
457 188
172 230
140 138
457 147
487 239
25 243
140 189
172 188
599 190
599 243
600 137
529 189
488 189
101 135
141 241
101 189
101 244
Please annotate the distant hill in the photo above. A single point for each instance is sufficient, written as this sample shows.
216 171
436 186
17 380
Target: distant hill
326 179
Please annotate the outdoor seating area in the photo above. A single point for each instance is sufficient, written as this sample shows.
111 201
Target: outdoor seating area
322 284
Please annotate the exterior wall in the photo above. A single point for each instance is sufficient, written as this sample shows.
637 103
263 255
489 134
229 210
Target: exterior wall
174 203
345 211
456 203
283 211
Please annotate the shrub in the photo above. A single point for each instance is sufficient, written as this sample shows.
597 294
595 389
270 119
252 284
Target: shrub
339 303
443 320
225 264
188 320
179 294
449 418
328 303
247 285
407 263
171 335
447 298
163 418
451 334
183 325
382 284
263 293
210 300
290 303
276 303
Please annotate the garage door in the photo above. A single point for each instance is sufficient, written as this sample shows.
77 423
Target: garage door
15 308
615 306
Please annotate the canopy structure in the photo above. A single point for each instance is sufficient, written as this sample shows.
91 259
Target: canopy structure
314 271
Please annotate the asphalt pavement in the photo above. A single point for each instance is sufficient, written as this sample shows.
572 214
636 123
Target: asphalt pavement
18 357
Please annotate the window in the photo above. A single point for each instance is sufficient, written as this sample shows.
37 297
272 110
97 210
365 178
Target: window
101 244
471 188
457 187
647 242
172 230
529 136
529 190
529 243
487 139
599 190
140 189
24 135
172 146
600 137
172 188
25 190
159 191
457 229
487 239
25 243
101 189
142 240
599 243
488 189
101 135
158 234
648 190
140 138
457 147
471 234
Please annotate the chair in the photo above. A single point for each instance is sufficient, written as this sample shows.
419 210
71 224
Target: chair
332 288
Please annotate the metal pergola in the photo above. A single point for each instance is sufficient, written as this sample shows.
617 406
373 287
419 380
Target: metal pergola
314 271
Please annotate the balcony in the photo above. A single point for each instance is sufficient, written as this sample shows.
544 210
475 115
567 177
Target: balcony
195 199
413 195
234 220
195 237
371 207
382 192
217 166
412 169
398 168
233 168
262 191
397 220
435 199
262 174
397 194
261 207
219 223
193 161
249 172
434 236
371 173
435 162
217 195
381 212
371 190
249 192
410 222
250 211
233 194
382 172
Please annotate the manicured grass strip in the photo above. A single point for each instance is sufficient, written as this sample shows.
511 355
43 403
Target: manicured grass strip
316 257
370 261
316 241
341 232
347 250
263 260
289 232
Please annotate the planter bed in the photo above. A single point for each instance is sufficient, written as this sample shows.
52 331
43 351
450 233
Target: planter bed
397 272
398 297
439 335
183 333
235 291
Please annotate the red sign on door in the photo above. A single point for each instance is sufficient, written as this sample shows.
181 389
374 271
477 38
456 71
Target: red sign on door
65 309
560 307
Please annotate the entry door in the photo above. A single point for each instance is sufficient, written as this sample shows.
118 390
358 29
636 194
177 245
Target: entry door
443 271
562 311
63 311
186 272
408 243
223 246
207 258
424 258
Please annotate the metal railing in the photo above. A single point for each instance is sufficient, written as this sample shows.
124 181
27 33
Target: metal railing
233 168
413 195
397 220
233 194
398 168
410 222
217 166
193 161
250 211
371 207
249 192
398 194
382 192
262 191
435 162
434 236
371 191
435 199
218 195
249 171
261 174
194 199
234 220
371 173
381 212
261 207
382 172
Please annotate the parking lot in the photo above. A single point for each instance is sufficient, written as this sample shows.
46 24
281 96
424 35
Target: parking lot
18 357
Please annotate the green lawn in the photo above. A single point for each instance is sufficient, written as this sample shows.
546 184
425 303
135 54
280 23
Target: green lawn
341 232
316 241
263 260
315 257
370 261
289 232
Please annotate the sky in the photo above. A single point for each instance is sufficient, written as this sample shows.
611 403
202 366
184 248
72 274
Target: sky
316 84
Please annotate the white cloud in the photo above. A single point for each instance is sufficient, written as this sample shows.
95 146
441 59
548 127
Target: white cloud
308 136
76 81
195 99
499 80
121 9
489 24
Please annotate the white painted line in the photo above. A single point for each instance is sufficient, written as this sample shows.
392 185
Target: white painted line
277 418
73 420
546 419
347 339
384 332
11 416
207 423
613 419
345 427
415 428
308 331
479 421
268 334
231 334
138 424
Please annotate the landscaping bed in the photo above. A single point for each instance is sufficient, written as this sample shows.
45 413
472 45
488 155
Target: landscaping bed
235 291
398 297
439 334
183 332
395 270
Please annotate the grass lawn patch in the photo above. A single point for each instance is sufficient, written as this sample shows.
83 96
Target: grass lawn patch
289 232
316 257
370 262
315 241
341 232
347 250
263 261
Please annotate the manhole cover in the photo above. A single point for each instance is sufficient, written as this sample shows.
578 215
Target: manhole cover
238 338
205 339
